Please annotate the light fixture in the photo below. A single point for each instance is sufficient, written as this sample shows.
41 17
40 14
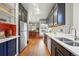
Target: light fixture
36 8
35 5
37 11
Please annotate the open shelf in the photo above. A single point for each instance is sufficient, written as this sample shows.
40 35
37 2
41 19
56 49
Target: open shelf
7 23
7 39
6 9
9 5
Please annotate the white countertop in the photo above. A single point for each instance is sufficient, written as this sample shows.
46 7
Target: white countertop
72 49
7 39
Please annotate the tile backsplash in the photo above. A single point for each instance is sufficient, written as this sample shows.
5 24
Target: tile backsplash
58 28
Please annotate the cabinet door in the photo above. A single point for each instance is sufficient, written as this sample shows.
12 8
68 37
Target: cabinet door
72 54
55 16
11 47
49 44
25 18
3 49
45 39
53 49
25 15
61 14
58 52
20 13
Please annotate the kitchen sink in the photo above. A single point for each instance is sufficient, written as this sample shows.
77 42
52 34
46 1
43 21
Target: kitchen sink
63 39
72 43
67 41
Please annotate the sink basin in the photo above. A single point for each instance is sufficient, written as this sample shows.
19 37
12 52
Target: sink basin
68 41
72 43
63 39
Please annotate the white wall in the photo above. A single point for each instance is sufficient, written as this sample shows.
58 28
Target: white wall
76 16
72 17
68 17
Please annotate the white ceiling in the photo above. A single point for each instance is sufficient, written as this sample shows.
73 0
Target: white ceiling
37 11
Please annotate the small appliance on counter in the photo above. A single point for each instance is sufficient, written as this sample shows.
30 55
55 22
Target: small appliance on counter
2 34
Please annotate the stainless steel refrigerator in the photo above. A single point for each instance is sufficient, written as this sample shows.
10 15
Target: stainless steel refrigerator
23 35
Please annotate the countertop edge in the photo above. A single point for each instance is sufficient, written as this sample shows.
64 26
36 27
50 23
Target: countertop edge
7 39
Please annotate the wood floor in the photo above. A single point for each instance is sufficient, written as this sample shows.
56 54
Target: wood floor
35 47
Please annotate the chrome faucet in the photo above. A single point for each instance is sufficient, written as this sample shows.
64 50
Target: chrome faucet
75 33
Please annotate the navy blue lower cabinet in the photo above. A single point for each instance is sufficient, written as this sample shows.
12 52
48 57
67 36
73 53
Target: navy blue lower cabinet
8 48
11 47
3 49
